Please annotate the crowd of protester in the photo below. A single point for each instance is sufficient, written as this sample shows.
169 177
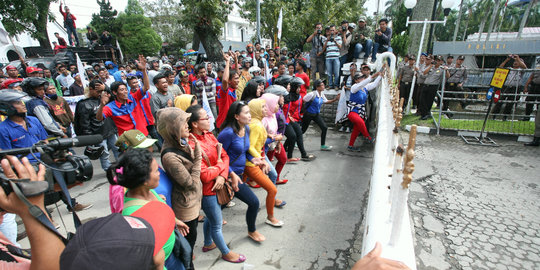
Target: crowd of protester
234 124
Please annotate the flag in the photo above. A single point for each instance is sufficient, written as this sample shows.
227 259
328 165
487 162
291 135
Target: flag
120 50
206 107
82 71
279 23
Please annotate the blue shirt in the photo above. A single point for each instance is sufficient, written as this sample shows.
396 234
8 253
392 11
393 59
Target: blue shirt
316 102
237 148
13 135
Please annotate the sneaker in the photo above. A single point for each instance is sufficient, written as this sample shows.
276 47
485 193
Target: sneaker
326 147
230 204
79 207
353 148
371 140
341 129
349 130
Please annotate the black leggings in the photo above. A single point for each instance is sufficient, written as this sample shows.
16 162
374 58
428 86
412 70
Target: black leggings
191 237
293 132
319 121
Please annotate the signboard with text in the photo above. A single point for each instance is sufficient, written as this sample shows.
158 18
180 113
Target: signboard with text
499 76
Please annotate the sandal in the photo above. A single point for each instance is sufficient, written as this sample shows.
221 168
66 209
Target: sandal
309 157
292 160
283 203
253 184
241 258
206 249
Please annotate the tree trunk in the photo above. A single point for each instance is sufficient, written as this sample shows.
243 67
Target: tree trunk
422 11
41 27
210 42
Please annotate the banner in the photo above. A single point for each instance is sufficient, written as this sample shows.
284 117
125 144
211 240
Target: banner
206 107
279 23
82 71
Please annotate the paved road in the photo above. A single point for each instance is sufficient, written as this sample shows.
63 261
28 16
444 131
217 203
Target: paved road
475 207
325 202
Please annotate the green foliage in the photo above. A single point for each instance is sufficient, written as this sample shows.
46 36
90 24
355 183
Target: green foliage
211 14
133 8
29 16
400 44
105 19
300 17
166 21
136 35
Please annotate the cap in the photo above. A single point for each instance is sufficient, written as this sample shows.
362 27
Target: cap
362 19
32 70
461 57
134 138
183 73
284 49
249 45
75 75
11 67
10 83
99 243
166 66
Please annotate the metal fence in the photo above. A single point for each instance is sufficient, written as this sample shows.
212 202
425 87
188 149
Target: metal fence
469 106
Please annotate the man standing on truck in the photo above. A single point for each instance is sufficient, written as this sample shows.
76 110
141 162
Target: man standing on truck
69 24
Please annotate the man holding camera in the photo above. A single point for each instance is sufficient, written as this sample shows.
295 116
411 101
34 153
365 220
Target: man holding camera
511 85
361 40
331 46
382 39
316 55
346 36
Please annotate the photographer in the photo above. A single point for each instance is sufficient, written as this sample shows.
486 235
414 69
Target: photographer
382 39
316 54
361 40
513 81
434 74
331 46
346 36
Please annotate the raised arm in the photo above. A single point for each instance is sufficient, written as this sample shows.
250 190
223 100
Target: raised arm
226 72
141 65
356 87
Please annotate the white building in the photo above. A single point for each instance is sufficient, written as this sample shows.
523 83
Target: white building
238 29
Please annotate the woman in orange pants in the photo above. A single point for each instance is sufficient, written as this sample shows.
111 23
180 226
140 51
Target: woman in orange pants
257 137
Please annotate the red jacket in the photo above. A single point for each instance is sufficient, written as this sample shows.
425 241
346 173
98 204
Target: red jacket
70 15
208 144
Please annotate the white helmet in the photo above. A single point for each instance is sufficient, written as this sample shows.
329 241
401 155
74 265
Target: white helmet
252 70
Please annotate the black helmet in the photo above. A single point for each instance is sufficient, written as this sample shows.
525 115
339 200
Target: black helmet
296 82
283 80
7 97
259 79
29 84
94 151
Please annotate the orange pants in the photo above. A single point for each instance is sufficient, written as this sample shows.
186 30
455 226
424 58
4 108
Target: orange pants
257 175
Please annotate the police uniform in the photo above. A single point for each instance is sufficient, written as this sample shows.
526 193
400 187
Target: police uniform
456 77
508 92
405 74
429 91
533 89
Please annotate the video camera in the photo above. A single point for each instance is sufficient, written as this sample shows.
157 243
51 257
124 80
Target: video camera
55 155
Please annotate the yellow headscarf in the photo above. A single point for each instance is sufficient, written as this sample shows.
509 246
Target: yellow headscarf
183 101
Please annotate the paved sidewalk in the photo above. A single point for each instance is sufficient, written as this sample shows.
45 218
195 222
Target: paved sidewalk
475 207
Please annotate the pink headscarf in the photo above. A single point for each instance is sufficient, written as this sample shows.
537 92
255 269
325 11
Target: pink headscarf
269 121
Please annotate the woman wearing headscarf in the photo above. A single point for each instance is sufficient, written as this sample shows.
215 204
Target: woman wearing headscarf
184 101
183 165
257 138
275 135
252 90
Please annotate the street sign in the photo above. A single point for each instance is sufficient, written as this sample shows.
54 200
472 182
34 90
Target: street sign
489 94
496 96
499 77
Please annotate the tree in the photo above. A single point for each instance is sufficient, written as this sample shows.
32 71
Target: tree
206 18
135 33
29 16
166 21
300 17
105 19
397 12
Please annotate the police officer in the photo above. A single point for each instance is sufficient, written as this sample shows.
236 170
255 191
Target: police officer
434 73
456 76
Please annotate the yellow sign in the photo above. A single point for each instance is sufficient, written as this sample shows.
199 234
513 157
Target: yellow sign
499 76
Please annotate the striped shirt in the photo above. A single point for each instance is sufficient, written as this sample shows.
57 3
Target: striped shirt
332 49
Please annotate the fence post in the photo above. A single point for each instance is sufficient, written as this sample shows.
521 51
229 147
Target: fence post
403 191
441 101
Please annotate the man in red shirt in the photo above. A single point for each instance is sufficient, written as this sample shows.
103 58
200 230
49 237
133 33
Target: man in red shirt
227 92
126 110
301 67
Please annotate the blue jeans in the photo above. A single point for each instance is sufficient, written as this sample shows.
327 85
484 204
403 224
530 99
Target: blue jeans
358 48
332 70
71 30
174 263
212 224
108 144
9 228
246 195
376 49
272 174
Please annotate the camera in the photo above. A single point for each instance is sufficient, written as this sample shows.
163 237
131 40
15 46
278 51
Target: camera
73 168
343 28
331 39
319 31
